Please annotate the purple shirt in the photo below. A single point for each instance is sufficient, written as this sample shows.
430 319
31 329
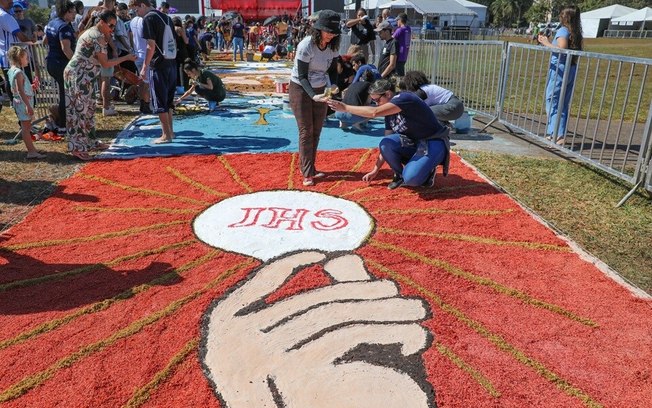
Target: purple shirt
402 35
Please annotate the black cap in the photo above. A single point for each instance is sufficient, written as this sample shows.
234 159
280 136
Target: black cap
328 21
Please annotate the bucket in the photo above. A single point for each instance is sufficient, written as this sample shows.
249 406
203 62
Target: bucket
282 85
286 104
462 125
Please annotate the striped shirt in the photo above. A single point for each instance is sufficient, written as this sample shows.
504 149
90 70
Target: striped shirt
8 28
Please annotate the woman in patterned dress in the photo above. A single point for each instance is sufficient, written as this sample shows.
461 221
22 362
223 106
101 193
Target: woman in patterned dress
80 76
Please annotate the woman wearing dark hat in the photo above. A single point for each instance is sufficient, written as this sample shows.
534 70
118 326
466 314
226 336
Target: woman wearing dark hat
315 68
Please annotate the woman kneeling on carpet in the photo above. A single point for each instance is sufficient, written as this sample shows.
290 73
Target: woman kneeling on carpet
205 83
416 143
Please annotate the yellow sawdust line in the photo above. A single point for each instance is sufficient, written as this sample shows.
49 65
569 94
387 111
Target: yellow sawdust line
356 191
234 174
442 211
106 303
425 194
478 239
481 280
91 238
32 381
141 395
89 268
83 208
356 167
194 183
293 163
494 338
474 373
145 191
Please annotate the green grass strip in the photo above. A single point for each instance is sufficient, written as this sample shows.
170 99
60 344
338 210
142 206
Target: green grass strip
478 240
356 167
144 191
494 338
88 268
234 174
30 382
442 211
475 374
106 303
505 290
163 210
144 393
91 238
194 183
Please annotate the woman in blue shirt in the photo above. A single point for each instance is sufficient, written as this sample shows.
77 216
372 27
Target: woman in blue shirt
416 143
568 36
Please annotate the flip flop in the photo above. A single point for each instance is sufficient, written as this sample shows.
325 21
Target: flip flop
81 155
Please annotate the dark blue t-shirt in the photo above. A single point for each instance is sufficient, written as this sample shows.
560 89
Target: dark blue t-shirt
55 31
415 120
238 30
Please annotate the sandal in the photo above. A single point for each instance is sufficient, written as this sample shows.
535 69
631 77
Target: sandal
308 181
81 155
101 146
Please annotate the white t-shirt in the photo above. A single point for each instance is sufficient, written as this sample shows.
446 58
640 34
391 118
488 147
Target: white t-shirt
8 27
318 62
436 94
140 44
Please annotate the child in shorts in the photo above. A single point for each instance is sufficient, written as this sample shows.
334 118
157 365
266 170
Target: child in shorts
23 95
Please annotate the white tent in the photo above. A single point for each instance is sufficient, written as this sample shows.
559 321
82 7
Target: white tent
365 4
594 22
469 21
399 4
644 14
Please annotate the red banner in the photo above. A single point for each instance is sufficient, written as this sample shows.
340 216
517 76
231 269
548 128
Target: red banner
257 9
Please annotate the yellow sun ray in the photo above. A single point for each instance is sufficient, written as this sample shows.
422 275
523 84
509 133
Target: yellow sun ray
93 267
427 194
234 174
464 366
91 238
442 211
83 208
34 380
194 183
356 167
102 305
144 191
293 163
478 239
357 191
494 338
481 280
141 395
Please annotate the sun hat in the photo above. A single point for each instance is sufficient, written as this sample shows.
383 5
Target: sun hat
328 21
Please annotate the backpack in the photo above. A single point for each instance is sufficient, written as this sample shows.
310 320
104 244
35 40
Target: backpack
169 50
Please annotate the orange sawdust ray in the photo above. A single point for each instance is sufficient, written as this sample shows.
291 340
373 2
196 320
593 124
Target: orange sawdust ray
293 163
89 268
481 280
234 174
494 338
356 167
429 193
32 381
467 368
478 239
195 184
144 191
102 305
88 208
141 395
442 211
91 238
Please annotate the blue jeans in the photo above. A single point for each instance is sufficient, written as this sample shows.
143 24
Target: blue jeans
418 166
553 93
220 41
238 42
348 118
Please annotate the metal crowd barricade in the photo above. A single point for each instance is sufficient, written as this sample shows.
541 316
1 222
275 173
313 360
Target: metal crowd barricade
610 109
47 94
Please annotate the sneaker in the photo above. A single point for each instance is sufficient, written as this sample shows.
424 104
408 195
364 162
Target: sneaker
430 181
397 182
110 112
319 175
308 181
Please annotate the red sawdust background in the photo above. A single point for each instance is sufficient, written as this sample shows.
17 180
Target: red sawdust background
495 345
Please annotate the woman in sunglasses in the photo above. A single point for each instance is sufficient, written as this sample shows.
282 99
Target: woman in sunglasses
80 76
415 143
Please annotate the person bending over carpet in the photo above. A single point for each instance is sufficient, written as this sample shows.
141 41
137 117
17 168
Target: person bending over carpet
205 83
416 143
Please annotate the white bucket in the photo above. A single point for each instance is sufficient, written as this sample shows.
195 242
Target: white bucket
463 123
